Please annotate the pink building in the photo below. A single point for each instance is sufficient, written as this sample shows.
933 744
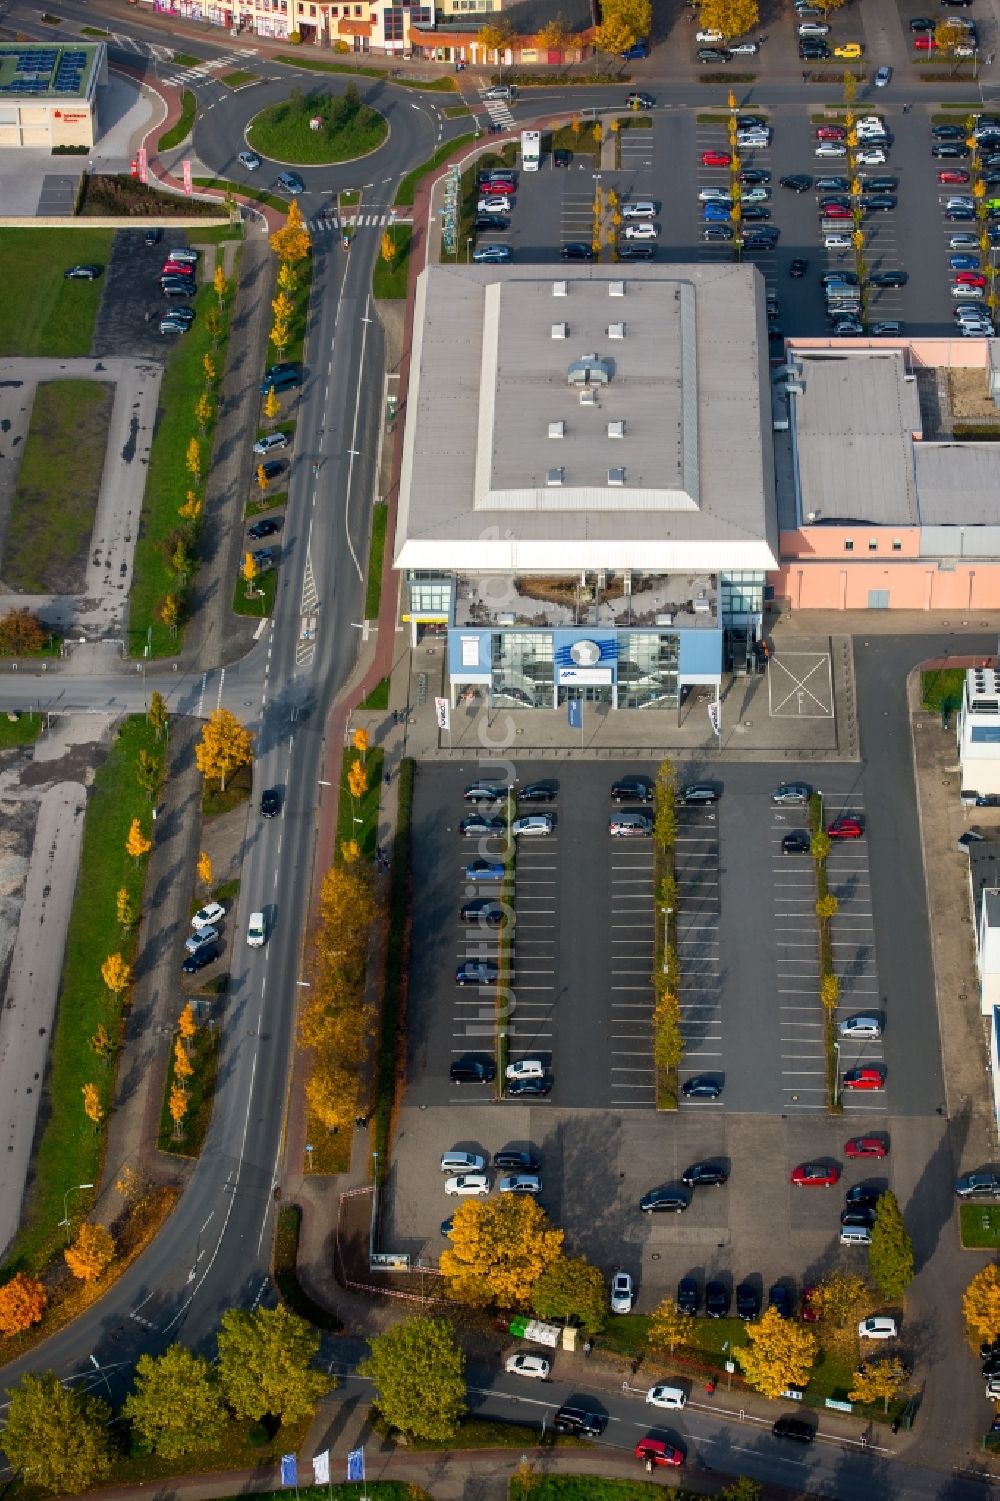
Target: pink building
872 514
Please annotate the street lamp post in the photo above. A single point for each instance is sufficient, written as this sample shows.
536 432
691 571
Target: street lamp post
836 1077
76 1188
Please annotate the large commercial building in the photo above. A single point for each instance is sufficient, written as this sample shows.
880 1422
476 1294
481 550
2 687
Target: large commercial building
587 496
49 94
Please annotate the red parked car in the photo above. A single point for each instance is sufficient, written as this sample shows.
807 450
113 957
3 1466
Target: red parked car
872 1076
836 211
956 175
845 828
831 133
810 1313
655 1451
970 278
865 1146
815 1175
924 42
715 158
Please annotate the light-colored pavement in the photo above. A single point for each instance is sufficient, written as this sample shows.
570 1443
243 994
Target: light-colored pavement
101 608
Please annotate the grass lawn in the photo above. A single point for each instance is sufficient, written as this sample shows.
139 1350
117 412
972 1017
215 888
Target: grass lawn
286 1255
585 1488
70 1151
389 278
237 790
239 79
379 696
49 316
264 504
183 127
24 729
55 500
258 195
364 809
980 1226
350 129
942 690
168 479
233 1450
376 553
582 140
261 601
187 60
204 1058
456 111
348 197
490 1433
407 190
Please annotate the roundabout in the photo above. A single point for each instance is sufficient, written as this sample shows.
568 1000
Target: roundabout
318 129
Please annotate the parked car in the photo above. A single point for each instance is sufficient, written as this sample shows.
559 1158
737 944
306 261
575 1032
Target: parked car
688 1296
269 527
520 1183
796 842
483 909
199 938
716 1299
879 1326
533 825
701 1087
539 1088
845 827
85 272
779 1298
696 793
865 1146
747 1301
871 1076
664 1201
468 1185
271 441
622 1294
795 793
516 1160
200 959
978 1185
477 972
473 1071
523 1364
704 1174
815 1175
208 916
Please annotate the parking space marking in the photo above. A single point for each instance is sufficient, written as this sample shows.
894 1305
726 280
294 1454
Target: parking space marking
631 1075
800 686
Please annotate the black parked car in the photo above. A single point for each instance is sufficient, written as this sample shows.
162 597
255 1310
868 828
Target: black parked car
484 792
688 1296
476 825
798 268
477 972
889 278
516 1161
200 959
632 790
863 1196
858 1214
491 221
778 1298
696 793
630 252
537 792
535 1087
796 843
664 1201
483 909
261 529
270 803
82 273
799 182
747 1301
705 1173
701 1087
752 175
577 250
716 1300
473 1071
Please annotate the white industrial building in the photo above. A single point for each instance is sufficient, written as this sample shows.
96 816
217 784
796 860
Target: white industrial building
978 731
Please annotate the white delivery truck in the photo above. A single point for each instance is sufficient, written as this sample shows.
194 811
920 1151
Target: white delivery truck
531 150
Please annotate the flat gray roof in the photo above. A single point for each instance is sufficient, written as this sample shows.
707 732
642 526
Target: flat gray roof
854 429
958 484
664 464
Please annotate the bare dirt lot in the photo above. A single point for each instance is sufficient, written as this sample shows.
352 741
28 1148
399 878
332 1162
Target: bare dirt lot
970 398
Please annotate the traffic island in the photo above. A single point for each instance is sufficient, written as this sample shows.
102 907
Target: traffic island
316 130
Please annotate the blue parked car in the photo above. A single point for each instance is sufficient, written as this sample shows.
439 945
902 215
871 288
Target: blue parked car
964 262
484 870
715 213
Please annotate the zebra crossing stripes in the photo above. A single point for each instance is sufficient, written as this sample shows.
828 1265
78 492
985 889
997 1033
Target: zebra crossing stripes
499 113
377 219
164 56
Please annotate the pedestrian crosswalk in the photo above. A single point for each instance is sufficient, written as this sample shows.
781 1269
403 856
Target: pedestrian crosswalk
499 113
168 70
375 218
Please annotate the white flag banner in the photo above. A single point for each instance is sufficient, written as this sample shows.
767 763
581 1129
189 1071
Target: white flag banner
442 710
321 1467
715 716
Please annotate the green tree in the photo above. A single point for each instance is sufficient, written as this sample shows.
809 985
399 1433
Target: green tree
743 1489
665 805
890 1255
780 1354
572 1291
175 1404
57 1435
418 1373
148 772
265 1364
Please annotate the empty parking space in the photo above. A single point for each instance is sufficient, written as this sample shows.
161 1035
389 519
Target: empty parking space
697 934
631 958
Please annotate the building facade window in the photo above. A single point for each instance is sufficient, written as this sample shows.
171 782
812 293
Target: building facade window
648 663
522 669
848 545
872 545
897 546
741 597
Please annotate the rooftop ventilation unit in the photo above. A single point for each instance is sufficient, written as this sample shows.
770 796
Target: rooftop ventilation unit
560 289
616 429
616 330
557 429
555 476
589 370
560 330
588 397
794 389
616 289
616 476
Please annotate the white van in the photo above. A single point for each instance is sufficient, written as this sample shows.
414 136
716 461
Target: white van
814 28
256 930
643 209
672 1397
855 1235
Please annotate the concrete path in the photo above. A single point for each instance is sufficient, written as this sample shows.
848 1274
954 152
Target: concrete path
101 608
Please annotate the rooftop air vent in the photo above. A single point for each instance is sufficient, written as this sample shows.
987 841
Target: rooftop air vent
616 429
616 476
557 429
588 397
589 370
616 289
555 476
616 330
560 289
560 330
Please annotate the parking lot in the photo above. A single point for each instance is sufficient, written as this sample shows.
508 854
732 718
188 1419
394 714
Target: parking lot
552 208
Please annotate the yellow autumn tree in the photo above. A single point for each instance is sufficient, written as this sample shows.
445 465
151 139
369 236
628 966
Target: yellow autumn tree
497 1250
203 412
981 1305
116 973
92 1107
177 1106
170 613
291 243
125 909
220 284
183 1067
272 406
360 740
192 459
283 307
191 509
357 779
224 747
206 870
137 844
23 1301
186 1024
209 367
350 850
91 1253
780 1354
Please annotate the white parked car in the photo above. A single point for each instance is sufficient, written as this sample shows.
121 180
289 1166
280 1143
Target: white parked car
534 823
622 1296
830 148
872 156
755 195
528 1365
640 232
208 915
715 195
521 1183
709 37
837 242
493 205
199 938
671 1397
526 1068
861 1026
468 1185
879 1327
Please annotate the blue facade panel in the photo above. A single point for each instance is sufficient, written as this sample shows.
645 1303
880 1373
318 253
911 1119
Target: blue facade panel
470 655
700 655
